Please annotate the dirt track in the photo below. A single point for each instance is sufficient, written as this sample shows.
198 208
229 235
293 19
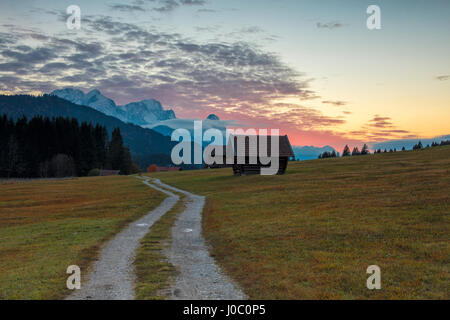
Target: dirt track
199 277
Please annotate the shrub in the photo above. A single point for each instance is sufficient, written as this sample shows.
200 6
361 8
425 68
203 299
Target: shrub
152 168
94 173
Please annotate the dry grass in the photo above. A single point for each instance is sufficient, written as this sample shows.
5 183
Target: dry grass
154 273
45 226
311 233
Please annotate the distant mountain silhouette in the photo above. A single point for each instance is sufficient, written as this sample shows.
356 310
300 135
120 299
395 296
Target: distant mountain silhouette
141 141
310 152
212 116
407 143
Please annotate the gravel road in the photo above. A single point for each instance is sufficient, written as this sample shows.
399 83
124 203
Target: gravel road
113 275
199 277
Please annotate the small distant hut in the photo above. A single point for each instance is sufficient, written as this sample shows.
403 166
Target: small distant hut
104 173
166 169
285 154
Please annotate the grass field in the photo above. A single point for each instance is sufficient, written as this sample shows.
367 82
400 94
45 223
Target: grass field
154 273
312 233
45 226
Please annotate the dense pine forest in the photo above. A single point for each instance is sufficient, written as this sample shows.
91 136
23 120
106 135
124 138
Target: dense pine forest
59 147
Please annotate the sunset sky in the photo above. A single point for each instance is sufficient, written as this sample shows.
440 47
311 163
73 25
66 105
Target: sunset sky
310 68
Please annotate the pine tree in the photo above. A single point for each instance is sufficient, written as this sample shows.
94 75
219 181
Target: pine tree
118 156
418 146
101 137
346 151
355 151
365 150
87 149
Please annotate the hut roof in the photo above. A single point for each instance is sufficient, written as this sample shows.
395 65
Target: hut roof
104 173
284 145
161 169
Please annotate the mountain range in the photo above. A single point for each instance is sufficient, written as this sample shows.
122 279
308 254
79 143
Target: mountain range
142 113
146 126
407 143
143 143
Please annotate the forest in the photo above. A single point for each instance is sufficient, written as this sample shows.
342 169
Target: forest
59 147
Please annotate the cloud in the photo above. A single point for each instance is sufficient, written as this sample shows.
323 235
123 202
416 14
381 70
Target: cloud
127 62
380 122
170 5
189 124
329 25
443 78
193 2
208 29
380 128
336 103
127 7
33 56
206 10
252 29
167 6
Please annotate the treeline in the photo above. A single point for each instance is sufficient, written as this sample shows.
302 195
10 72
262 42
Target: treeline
59 147
365 150
433 144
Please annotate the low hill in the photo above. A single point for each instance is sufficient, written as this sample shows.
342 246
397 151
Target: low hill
312 233
310 152
142 142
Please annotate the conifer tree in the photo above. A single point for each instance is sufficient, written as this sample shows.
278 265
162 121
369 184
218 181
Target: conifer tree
346 151
365 149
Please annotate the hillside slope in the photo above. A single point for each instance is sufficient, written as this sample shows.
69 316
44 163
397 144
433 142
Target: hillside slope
312 233
141 141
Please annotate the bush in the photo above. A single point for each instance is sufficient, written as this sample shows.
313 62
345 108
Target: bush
94 173
152 168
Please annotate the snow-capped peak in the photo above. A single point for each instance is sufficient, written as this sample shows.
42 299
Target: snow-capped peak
140 113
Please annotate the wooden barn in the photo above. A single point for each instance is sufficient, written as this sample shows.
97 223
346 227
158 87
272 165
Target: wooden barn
104 173
285 154
166 169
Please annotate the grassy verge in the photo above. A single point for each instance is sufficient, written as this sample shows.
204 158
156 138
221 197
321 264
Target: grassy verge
153 271
312 233
45 226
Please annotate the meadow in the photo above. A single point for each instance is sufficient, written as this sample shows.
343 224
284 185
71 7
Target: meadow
312 233
47 225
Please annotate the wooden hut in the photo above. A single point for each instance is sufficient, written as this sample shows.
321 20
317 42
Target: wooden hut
166 169
104 173
285 153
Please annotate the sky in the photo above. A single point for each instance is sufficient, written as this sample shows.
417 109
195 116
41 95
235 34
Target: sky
309 68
